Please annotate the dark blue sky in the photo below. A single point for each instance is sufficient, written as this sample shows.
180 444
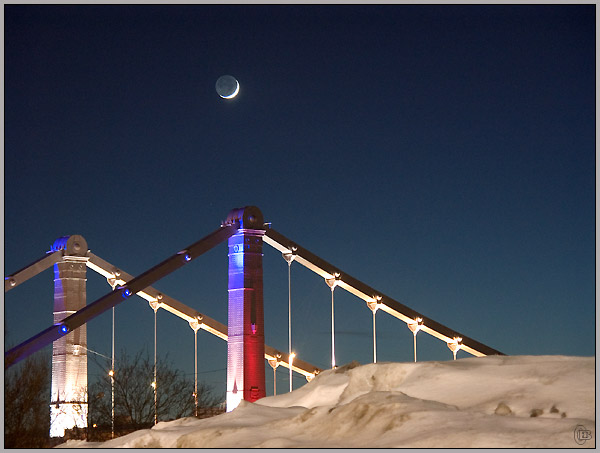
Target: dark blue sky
444 155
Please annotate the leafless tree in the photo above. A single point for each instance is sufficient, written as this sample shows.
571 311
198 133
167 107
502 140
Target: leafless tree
26 404
134 394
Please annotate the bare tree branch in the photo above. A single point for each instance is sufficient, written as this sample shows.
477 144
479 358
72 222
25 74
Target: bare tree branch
134 395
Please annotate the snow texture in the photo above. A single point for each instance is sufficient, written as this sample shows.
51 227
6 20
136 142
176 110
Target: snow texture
496 401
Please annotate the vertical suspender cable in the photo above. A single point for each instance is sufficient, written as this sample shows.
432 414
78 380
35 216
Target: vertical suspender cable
415 346
155 383
155 304
332 282
195 325
112 281
374 306
112 380
374 340
414 327
290 318
195 372
332 332
289 257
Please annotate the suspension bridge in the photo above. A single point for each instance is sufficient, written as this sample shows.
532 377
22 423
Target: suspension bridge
246 232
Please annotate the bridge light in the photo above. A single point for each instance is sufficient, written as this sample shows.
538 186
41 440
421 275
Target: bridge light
64 329
126 293
153 384
415 325
187 256
455 345
111 373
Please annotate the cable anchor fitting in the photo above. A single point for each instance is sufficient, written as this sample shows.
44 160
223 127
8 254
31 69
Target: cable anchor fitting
374 304
455 345
415 325
332 282
156 303
195 323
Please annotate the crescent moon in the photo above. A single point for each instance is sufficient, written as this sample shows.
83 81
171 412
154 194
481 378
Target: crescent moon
234 94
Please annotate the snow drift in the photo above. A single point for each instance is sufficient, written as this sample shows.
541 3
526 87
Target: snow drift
508 401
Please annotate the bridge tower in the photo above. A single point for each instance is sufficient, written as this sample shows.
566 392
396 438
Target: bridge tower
246 343
68 401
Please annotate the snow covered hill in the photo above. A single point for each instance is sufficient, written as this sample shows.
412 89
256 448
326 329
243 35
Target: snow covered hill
514 401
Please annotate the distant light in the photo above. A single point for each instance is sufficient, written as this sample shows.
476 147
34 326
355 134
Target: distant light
111 373
153 385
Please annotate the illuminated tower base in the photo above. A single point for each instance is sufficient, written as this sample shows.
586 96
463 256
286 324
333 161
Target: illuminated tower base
246 343
69 407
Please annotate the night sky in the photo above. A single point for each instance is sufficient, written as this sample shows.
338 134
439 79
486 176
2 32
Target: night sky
444 155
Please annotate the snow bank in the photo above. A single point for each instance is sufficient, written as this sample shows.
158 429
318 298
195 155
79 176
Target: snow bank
520 401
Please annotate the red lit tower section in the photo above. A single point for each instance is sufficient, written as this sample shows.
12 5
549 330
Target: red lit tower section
246 343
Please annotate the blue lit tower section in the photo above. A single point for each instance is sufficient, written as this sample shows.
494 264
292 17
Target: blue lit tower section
246 343
68 401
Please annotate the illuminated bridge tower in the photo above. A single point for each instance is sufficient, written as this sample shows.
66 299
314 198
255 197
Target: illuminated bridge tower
246 343
68 401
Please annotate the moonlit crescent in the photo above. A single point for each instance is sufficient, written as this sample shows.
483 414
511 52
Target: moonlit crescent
227 87
237 89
